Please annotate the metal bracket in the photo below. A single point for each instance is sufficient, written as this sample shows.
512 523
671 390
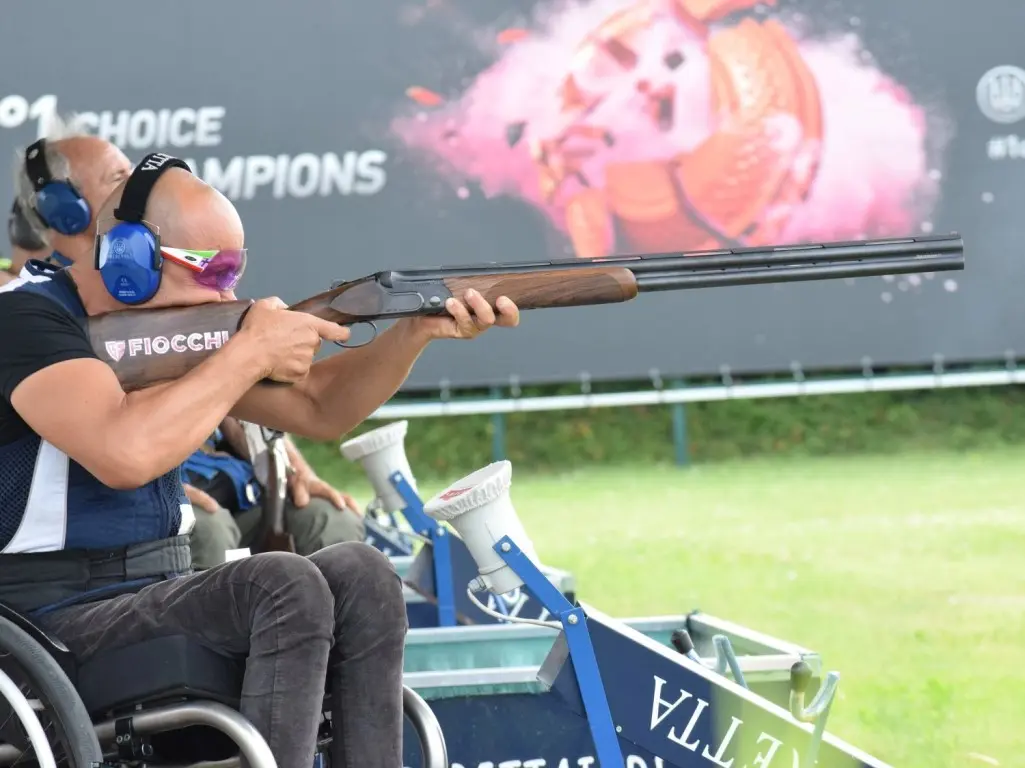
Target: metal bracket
581 651
726 378
441 553
725 658
818 711
130 746
868 373
376 508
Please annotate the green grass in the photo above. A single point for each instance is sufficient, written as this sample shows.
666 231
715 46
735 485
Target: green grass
906 572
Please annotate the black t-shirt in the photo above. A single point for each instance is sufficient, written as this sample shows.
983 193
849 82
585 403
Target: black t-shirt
35 332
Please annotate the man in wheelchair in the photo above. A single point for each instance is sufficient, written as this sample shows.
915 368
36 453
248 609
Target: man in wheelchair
94 521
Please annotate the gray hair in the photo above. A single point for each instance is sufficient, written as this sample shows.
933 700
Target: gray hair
25 192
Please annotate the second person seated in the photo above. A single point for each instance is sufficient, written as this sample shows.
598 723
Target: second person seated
226 491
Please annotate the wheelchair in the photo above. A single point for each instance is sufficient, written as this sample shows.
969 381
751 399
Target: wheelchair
167 702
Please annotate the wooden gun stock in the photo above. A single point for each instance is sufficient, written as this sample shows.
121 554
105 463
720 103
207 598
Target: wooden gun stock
147 347
276 541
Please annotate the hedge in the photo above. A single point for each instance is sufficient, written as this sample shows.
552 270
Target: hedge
892 422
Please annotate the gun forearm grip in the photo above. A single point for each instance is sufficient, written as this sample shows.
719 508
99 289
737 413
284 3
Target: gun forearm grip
541 290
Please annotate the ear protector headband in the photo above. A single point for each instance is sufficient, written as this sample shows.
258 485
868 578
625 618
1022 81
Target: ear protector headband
128 256
58 204
20 232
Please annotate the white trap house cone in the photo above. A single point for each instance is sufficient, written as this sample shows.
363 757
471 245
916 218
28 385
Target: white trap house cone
479 508
382 452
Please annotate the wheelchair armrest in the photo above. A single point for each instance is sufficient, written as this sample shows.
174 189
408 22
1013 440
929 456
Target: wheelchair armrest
427 728
53 646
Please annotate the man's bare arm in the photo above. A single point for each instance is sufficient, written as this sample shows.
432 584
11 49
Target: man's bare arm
236 437
341 391
126 440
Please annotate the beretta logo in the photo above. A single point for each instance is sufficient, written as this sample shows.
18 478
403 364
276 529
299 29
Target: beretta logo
1001 94
155 161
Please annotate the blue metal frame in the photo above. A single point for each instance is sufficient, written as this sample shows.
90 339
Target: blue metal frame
586 672
441 555
581 651
387 537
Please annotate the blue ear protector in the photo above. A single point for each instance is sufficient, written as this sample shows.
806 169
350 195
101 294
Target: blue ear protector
128 256
58 204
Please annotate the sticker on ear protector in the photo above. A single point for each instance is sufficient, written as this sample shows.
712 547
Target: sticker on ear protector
126 289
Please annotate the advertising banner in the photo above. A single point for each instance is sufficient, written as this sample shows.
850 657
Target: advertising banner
356 137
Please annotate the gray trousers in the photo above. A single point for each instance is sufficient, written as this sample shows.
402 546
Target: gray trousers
317 525
339 612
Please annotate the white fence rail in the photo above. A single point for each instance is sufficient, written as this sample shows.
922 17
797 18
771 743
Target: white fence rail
937 379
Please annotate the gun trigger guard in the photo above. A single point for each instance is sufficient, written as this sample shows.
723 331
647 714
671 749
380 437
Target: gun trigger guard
372 324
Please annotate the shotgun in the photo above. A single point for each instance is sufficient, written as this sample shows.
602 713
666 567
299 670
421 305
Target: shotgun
149 346
272 536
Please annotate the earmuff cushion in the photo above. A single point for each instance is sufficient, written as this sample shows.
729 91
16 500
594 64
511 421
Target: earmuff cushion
124 258
20 232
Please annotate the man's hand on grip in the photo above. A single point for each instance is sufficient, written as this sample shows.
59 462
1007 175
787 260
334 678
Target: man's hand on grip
469 318
287 341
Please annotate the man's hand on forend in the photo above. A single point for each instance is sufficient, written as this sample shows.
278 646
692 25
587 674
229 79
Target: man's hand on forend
464 325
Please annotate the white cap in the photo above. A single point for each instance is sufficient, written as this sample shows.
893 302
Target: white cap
479 508
382 452
375 440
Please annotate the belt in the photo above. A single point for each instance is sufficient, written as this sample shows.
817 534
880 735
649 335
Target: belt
43 581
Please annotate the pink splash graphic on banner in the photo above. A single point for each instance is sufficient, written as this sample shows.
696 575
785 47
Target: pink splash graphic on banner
647 126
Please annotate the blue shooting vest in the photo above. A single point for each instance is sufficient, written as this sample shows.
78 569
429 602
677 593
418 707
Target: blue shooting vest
207 465
65 537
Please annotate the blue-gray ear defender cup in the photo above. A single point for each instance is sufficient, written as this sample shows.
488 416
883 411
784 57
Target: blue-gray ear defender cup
58 203
128 255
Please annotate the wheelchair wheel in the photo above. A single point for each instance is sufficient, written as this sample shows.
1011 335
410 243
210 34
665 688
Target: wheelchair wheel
63 714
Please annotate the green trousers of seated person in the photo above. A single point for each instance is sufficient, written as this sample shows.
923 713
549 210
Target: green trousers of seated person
317 525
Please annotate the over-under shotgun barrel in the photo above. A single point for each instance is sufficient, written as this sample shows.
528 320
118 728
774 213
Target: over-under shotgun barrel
579 282
670 280
812 253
